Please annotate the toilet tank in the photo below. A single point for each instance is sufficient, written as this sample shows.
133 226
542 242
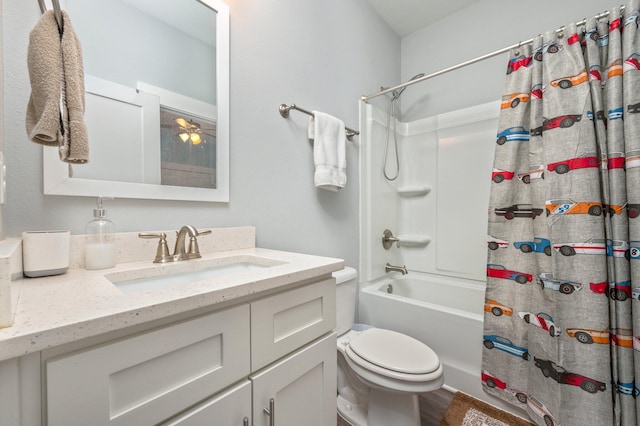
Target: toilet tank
346 288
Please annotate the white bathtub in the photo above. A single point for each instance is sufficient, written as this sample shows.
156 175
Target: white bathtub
442 312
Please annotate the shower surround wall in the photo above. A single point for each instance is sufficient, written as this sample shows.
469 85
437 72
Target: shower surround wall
438 205
438 209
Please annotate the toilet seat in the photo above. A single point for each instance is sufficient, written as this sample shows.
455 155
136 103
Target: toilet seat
430 371
387 350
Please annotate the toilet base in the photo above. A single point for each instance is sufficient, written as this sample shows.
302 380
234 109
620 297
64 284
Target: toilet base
391 408
384 409
355 415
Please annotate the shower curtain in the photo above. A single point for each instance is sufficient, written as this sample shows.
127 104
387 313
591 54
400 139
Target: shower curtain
562 309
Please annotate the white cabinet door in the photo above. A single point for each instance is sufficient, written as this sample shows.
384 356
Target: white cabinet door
230 408
20 391
149 377
302 386
286 321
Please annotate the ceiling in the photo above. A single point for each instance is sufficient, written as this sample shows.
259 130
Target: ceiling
408 16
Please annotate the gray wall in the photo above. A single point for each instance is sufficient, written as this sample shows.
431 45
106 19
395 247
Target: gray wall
2 226
321 55
483 27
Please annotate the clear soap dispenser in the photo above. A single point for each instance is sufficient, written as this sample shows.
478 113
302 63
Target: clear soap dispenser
100 247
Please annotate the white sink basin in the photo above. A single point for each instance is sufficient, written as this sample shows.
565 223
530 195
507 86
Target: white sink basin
173 275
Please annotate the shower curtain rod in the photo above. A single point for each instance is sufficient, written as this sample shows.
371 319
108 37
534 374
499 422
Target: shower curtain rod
469 62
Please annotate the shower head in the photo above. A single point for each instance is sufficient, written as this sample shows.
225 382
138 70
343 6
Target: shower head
396 93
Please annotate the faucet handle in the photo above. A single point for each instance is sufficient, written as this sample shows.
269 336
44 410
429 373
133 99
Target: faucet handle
388 239
148 235
193 251
162 252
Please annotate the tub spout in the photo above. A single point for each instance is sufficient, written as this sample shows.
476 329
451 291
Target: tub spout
402 269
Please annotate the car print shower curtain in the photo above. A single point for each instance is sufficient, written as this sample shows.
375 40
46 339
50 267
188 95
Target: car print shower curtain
562 309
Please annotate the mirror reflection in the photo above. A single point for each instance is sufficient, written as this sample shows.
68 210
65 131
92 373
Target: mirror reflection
152 96
169 44
188 150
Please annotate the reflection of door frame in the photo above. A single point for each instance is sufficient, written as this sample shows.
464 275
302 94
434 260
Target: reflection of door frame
138 126
135 133
180 102
176 102
184 162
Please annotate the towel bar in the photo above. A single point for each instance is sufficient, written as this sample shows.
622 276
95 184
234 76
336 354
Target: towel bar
284 112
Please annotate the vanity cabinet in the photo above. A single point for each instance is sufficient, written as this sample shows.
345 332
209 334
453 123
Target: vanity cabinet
299 389
231 407
223 368
150 377
284 322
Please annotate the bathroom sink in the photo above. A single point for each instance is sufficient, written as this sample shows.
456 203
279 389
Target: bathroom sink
172 275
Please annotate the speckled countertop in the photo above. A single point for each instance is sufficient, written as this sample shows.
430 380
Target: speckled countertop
52 311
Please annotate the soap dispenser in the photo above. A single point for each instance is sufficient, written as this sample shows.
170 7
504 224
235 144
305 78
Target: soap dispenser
100 247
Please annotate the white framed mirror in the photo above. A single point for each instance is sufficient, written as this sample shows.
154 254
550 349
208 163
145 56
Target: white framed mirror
157 101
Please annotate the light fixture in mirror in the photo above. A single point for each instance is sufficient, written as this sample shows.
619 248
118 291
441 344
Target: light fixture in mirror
188 150
137 85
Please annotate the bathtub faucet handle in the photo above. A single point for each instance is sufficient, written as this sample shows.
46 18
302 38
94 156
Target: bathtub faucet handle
388 239
402 269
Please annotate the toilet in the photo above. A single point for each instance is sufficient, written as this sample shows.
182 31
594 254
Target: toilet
380 372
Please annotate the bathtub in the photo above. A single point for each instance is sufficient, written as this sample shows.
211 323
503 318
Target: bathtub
444 313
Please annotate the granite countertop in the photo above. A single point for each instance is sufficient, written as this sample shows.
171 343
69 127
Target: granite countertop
55 310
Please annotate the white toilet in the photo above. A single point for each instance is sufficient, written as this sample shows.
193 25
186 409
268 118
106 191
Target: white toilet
380 372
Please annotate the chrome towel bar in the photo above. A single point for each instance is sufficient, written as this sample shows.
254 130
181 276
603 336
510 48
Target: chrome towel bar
284 112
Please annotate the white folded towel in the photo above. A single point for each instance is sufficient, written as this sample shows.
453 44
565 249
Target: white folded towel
329 153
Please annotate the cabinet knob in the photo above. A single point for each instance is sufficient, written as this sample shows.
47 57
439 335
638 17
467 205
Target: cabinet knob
271 412
245 421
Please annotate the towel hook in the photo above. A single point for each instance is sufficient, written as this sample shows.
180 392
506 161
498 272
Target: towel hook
56 11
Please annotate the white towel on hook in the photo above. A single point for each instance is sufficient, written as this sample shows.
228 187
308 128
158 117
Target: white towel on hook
329 151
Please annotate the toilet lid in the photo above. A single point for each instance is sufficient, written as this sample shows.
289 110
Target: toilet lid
395 351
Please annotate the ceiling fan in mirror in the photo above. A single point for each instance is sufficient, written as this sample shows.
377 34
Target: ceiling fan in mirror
190 131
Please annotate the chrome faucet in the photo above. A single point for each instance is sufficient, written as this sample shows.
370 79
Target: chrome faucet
402 269
180 252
